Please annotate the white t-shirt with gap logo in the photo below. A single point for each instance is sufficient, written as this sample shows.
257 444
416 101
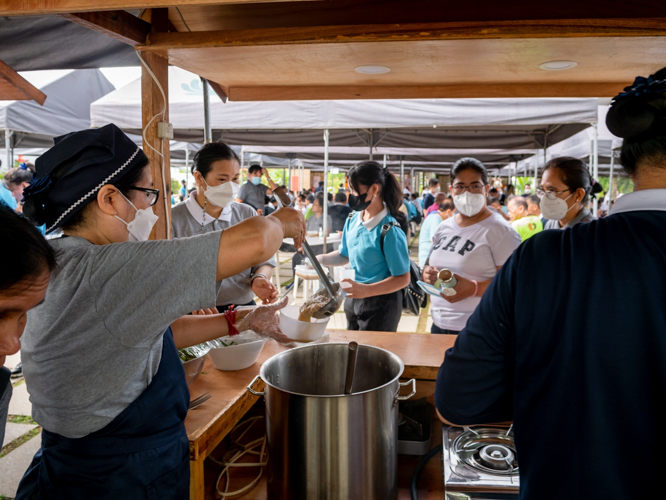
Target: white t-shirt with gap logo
474 253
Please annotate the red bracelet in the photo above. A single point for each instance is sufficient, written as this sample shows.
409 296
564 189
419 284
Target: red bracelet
476 288
230 314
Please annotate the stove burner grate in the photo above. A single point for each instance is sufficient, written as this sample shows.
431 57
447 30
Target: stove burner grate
488 450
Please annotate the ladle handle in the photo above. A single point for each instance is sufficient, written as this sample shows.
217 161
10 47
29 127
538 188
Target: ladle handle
351 366
317 266
284 199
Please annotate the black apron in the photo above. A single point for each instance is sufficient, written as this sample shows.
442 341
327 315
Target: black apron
142 454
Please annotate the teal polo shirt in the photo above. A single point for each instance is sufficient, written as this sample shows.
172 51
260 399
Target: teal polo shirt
361 245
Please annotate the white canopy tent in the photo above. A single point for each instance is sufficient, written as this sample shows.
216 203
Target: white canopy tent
69 93
499 124
580 145
515 127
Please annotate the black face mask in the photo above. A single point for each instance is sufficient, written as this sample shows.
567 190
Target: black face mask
358 203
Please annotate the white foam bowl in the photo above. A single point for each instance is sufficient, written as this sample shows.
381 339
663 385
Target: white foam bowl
236 357
301 331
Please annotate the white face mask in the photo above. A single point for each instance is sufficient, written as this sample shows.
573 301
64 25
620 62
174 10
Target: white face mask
469 204
222 195
555 209
144 220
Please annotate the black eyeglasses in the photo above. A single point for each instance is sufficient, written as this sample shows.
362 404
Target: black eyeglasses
152 194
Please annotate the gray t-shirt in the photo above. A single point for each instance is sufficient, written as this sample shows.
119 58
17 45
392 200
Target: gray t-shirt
314 223
95 343
253 195
186 221
582 217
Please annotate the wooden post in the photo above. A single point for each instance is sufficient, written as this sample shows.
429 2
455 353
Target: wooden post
152 103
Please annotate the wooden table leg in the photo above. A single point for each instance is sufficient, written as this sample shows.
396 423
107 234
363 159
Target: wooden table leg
197 489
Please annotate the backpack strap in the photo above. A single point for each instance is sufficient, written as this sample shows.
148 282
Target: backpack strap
385 229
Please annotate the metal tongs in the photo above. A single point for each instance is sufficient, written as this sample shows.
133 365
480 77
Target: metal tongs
333 290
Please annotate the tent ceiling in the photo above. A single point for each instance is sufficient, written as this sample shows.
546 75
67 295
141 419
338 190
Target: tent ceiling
66 109
52 42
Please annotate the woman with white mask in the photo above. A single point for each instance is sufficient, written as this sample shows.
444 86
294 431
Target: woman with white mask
212 207
473 245
566 187
100 353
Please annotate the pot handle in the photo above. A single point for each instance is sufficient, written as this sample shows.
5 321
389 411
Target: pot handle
398 397
249 387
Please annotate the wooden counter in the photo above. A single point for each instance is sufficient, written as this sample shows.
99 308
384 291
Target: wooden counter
208 424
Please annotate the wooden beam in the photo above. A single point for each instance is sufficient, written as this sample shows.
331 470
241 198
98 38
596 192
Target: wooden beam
364 12
295 93
117 24
43 7
152 103
217 88
23 86
568 28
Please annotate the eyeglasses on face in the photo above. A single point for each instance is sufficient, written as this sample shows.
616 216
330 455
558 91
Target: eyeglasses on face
151 194
474 187
549 193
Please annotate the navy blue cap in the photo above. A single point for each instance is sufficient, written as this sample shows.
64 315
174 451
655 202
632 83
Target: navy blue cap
94 158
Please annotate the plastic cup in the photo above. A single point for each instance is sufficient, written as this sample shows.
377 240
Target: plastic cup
347 274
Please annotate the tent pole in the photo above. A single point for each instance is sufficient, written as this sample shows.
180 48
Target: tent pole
208 133
402 175
8 149
384 161
300 175
595 169
242 166
187 170
411 180
325 224
371 144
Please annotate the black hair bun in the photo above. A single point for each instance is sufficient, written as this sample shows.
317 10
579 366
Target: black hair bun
636 109
630 118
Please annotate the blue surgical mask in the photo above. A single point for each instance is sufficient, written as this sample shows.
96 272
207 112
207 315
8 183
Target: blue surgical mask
255 180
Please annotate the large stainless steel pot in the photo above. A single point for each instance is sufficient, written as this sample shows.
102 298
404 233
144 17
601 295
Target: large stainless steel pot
324 444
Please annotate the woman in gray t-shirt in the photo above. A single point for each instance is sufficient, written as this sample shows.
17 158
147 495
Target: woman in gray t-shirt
212 208
99 355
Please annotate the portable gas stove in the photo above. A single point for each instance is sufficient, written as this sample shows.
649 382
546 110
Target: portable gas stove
479 463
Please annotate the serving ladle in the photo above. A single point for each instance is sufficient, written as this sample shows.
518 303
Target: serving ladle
333 290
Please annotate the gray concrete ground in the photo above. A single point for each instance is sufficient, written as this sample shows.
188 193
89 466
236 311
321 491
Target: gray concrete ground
14 464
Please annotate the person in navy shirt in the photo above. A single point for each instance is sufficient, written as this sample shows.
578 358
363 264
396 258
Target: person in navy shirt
569 340
374 297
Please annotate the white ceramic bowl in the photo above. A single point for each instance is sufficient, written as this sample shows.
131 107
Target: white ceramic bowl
301 331
236 357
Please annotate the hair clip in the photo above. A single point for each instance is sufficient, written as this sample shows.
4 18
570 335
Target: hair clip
23 166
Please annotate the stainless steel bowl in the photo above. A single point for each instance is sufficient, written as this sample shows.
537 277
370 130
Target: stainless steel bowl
193 368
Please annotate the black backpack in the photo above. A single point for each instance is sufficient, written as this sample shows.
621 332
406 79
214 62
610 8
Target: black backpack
413 298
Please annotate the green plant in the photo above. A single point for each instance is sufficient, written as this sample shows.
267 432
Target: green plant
623 185
519 185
